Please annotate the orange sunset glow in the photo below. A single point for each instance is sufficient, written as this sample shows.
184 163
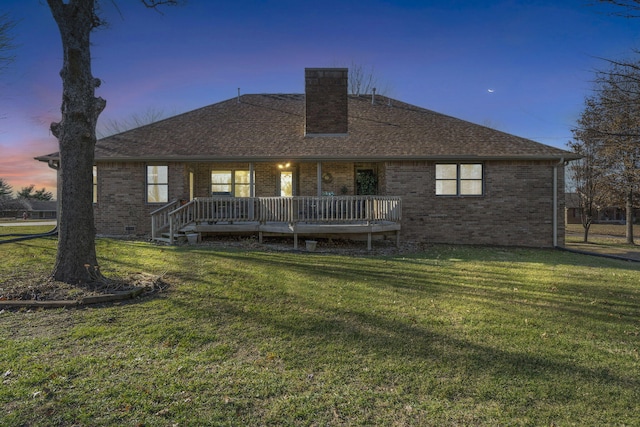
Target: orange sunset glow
519 67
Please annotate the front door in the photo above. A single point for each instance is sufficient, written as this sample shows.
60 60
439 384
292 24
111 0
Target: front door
286 183
366 182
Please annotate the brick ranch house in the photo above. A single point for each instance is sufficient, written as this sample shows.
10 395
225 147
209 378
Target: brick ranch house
295 163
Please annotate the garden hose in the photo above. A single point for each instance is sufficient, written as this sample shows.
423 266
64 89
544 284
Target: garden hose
21 237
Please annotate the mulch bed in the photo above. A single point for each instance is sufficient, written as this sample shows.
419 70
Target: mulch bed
34 291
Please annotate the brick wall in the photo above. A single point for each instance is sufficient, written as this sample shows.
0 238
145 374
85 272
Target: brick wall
122 208
326 103
267 179
516 209
342 177
307 179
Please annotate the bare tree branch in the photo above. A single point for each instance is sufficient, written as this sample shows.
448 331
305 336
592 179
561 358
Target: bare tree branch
610 126
6 40
113 127
630 8
363 80
155 4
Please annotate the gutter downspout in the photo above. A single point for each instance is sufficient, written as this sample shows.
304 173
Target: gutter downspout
555 201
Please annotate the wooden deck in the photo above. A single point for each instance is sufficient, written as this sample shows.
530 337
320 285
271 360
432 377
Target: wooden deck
281 216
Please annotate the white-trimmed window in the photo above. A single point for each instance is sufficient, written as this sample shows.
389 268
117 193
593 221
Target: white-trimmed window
235 183
157 184
95 184
459 179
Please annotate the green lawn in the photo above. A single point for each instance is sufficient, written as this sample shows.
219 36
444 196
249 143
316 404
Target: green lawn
450 336
607 238
613 230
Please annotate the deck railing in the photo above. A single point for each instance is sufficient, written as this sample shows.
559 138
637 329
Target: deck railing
224 209
338 209
290 210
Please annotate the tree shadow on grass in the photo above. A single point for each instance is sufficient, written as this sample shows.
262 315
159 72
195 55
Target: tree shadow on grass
432 277
312 319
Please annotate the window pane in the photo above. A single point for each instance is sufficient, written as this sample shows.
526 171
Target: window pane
242 177
471 187
446 171
157 174
152 175
470 171
157 194
446 188
163 174
221 177
221 182
242 191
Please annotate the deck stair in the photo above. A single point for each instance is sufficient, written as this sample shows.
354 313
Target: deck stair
180 235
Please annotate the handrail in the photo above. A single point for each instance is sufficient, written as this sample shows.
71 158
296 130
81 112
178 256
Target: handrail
160 218
180 217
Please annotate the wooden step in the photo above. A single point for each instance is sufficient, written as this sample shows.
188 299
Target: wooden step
162 239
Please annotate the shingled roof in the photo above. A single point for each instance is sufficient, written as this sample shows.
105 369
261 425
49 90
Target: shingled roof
271 127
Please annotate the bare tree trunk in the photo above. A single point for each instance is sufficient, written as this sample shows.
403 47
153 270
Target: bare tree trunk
76 260
629 217
585 238
586 218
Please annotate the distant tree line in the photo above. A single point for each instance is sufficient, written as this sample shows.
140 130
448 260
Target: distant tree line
27 193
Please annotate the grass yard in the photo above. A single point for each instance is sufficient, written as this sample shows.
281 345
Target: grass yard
243 337
608 239
602 231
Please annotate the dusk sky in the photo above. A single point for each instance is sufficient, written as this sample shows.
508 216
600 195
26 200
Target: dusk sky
523 67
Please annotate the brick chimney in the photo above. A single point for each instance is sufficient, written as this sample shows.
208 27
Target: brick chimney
326 111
